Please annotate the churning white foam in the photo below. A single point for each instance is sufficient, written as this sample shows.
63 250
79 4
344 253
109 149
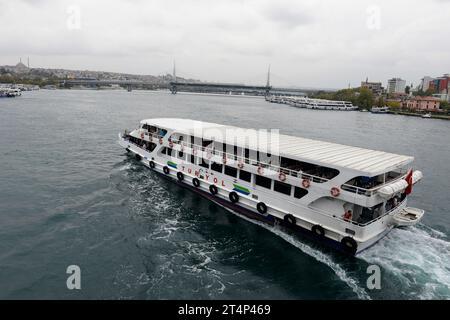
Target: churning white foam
419 257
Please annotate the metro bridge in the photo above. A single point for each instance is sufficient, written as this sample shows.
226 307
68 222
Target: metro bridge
189 86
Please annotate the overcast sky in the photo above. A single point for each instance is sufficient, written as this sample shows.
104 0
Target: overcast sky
308 43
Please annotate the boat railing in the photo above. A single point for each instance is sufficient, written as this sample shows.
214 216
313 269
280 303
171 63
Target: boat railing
356 223
369 191
274 169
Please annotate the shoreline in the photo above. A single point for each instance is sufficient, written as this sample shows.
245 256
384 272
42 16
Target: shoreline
411 114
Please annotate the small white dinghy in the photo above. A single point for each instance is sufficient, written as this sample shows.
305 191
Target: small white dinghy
408 217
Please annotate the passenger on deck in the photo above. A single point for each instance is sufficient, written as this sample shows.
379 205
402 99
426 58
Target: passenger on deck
348 215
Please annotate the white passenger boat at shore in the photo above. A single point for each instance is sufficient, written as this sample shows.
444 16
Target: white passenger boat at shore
314 104
345 197
379 110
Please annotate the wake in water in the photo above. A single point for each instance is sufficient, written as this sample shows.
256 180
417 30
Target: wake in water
316 254
419 257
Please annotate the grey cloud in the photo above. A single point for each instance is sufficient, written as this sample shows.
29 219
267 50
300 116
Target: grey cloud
288 15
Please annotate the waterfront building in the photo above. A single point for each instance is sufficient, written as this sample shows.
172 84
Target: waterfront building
375 87
423 103
425 83
396 85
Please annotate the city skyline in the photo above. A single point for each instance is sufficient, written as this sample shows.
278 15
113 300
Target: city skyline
308 43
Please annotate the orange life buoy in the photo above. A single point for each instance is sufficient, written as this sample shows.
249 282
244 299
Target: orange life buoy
282 176
142 135
335 191
306 183
240 164
260 170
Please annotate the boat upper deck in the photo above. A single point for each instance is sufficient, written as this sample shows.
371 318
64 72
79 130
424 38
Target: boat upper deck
365 161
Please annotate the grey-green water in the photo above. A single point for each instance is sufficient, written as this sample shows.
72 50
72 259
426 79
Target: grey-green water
70 195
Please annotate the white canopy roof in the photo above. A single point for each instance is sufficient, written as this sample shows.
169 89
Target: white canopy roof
367 162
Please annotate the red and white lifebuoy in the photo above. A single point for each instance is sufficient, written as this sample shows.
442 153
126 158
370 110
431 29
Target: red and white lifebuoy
142 135
260 170
335 191
306 183
282 176
240 164
160 141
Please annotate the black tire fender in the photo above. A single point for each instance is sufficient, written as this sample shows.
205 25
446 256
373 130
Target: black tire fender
261 207
318 230
349 245
290 219
196 182
166 170
234 197
213 189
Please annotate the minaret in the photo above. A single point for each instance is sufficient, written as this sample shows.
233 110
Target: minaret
174 72
268 77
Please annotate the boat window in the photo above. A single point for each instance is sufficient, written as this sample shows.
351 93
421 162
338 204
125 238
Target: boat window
246 153
216 167
309 168
169 152
299 192
207 143
162 132
263 182
245 175
217 146
230 171
372 182
192 159
228 148
282 187
369 214
203 163
164 150
151 146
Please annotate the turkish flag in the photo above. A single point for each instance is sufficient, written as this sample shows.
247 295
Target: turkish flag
409 179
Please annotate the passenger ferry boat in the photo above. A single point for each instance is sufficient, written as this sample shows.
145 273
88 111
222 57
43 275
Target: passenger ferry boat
346 197
379 110
309 103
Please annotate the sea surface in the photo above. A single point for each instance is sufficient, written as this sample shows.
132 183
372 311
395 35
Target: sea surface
69 195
